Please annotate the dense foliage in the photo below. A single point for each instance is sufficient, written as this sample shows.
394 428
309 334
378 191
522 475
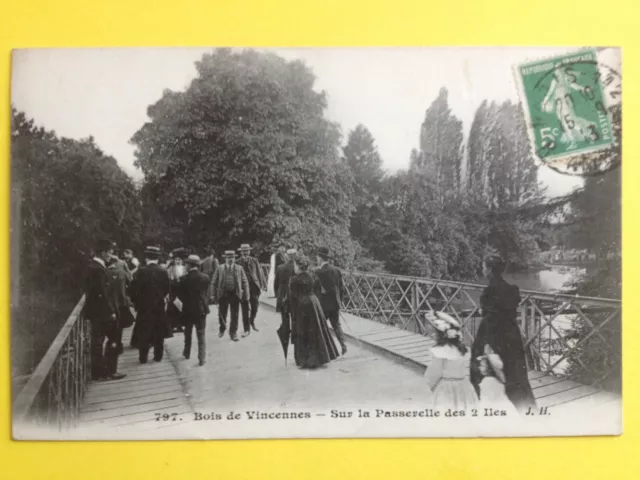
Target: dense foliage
66 194
246 155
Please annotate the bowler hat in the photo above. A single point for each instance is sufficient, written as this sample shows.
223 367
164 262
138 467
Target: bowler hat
323 252
193 260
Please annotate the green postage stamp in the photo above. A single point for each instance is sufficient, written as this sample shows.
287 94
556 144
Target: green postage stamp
565 105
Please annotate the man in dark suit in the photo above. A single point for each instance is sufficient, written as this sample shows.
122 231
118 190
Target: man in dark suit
283 274
193 293
230 287
257 283
100 309
331 293
149 290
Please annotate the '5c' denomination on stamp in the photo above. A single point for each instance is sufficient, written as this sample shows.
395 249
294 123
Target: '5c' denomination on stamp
566 104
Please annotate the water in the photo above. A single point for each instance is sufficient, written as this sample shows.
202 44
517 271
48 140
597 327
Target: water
554 279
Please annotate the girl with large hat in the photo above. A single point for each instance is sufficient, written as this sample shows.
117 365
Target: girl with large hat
448 373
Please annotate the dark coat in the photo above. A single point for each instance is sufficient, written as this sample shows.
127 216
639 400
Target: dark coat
149 288
280 259
253 271
121 279
283 274
99 304
331 293
499 329
193 293
313 345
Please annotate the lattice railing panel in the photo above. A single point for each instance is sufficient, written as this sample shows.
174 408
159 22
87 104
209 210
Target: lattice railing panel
578 337
54 393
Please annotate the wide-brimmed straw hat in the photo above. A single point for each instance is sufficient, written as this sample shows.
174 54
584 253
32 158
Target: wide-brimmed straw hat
445 323
495 361
193 260
244 247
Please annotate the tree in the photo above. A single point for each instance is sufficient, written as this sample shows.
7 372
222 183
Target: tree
70 194
245 153
364 162
65 195
502 183
441 145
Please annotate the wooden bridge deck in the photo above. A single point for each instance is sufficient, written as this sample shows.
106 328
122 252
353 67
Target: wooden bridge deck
382 367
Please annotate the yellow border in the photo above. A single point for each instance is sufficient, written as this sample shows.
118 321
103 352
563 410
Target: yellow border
36 23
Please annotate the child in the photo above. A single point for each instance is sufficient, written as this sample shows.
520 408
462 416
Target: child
492 389
448 372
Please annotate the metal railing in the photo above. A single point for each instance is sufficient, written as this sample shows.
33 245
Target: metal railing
54 393
573 336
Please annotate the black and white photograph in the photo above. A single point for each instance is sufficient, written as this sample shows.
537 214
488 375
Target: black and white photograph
262 243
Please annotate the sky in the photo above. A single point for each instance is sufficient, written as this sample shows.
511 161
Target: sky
105 92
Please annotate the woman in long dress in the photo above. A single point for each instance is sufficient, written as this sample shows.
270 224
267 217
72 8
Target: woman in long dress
448 373
313 345
272 277
499 303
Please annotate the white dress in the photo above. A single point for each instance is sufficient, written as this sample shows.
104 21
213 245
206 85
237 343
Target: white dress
493 395
448 378
272 277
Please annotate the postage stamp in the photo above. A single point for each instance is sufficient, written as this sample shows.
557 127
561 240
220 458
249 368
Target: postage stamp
566 104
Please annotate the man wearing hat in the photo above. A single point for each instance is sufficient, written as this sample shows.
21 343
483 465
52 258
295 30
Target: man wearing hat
149 289
283 274
257 283
331 293
193 293
230 287
100 309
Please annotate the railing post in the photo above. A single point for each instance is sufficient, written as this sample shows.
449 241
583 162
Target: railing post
414 306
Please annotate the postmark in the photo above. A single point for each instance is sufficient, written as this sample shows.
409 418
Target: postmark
572 108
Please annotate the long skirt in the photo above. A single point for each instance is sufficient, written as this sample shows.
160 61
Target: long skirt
313 344
458 394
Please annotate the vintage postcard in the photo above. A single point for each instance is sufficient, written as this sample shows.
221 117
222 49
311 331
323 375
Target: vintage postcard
224 243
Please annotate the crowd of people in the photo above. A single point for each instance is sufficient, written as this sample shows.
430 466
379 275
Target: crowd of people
175 296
